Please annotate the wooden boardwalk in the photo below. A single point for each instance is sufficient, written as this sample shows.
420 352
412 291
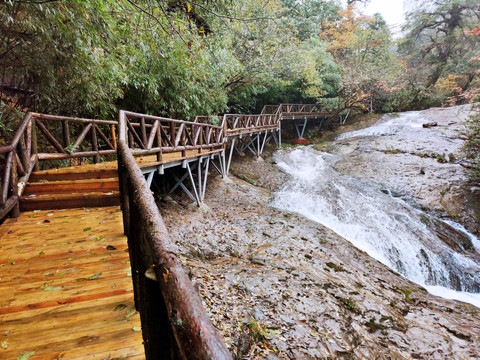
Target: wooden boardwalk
65 287
66 290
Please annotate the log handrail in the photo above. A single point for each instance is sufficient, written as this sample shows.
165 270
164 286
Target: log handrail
165 135
289 109
67 148
174 321
29 146
237 124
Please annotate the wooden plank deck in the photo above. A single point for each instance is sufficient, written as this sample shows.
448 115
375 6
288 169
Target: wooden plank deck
65 287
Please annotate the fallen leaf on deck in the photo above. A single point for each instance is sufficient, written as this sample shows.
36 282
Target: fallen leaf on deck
87 229
25 355
137 328
11 262
120 307
50 288
111 247
47 287
129 313
93 277
4 344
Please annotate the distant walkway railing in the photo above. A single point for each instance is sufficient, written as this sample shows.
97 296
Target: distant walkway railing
284 110
237 124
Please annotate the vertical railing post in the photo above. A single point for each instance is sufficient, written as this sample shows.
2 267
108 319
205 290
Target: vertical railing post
172 133
114 137
28 139
66 133
279 132
14 186
34 143
22 151
96 158
159 141
7 178
143 130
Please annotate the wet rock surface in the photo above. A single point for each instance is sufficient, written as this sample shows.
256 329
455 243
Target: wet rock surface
278 286
423 164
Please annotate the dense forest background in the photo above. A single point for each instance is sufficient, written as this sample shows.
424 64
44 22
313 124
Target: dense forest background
182 58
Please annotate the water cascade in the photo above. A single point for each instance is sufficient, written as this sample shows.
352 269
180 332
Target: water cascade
388 228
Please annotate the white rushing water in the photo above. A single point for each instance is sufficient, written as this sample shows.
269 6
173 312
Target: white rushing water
387 228
412 119
475 240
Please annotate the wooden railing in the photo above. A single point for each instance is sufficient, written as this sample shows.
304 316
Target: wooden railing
174 322
237 124
209 119
270 109
35 140
148 135
289 109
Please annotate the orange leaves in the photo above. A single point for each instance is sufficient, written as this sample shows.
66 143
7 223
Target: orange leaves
383 85
449 83
342 33
473 32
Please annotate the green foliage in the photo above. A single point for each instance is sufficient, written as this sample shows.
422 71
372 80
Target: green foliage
10 118
413 96
472 147
182 59
305 18
361 46
437 45
63 58
257 331
173 58
85 58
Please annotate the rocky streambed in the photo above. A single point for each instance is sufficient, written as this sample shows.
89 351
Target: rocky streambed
422 163
280 286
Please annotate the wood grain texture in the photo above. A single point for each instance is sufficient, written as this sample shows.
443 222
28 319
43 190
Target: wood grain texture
65 286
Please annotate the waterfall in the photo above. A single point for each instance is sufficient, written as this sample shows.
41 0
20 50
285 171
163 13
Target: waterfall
388 228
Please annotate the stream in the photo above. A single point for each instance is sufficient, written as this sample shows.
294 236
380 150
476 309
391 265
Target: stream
437 254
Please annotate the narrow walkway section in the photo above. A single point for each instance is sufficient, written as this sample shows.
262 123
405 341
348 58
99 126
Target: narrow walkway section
65 287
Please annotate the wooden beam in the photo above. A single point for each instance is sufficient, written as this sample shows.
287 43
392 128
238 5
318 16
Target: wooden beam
50 137
82 135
